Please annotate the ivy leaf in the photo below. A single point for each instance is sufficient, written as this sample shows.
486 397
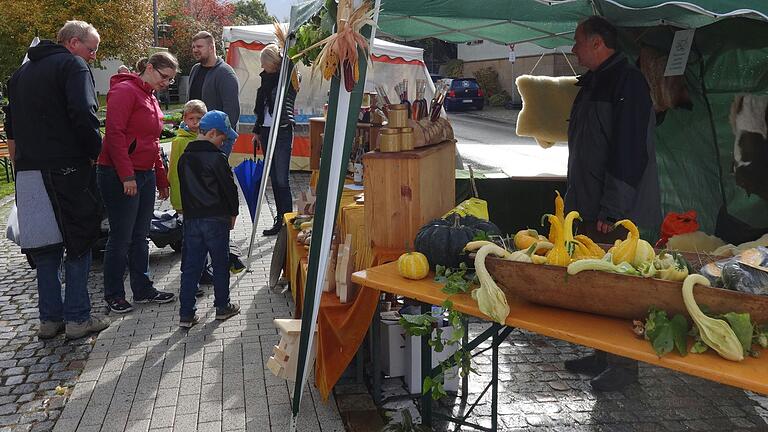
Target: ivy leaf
742 326
481 235
679 326
664 341
427 385
699 347
417 325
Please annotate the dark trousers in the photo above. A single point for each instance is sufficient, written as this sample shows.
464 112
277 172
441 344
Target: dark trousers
204 236
127 245
280 169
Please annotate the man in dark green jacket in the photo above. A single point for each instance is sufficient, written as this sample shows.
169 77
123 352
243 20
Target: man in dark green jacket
612 172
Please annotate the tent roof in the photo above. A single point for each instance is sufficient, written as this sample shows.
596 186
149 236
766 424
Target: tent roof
265 34
548 23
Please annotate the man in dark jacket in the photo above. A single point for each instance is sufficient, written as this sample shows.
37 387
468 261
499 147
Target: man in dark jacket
214 82
54 134
612 172
209 194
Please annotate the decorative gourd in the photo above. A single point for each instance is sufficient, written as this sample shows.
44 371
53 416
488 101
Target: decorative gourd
716 333
413 265
558 255
442 240
632 250
527 237
559 213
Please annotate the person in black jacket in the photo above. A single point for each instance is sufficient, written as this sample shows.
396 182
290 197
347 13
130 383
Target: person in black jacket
612 173
211 206
54 139
281 157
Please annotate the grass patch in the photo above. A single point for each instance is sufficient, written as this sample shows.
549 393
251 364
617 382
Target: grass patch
6 188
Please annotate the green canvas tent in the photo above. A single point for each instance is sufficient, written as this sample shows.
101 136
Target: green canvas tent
729 56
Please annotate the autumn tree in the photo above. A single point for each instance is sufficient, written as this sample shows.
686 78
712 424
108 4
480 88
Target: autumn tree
125 27
187 17
252 12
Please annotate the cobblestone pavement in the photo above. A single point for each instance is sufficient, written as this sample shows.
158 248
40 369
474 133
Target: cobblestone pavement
143 373
536 393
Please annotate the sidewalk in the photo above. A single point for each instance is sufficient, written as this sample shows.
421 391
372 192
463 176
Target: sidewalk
143 372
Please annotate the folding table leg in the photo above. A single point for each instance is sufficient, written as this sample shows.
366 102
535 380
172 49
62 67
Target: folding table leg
497 340
426 370
376 347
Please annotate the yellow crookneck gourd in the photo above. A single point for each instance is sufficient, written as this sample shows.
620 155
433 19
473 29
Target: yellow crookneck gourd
633 249
579 250
559 213
558 255
595 250
524 239
489 297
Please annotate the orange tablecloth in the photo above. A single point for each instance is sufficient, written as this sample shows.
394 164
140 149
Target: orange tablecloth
604 333
341 328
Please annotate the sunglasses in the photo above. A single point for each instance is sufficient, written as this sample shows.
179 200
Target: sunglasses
165 77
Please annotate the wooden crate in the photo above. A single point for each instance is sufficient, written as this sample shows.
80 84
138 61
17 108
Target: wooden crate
405 190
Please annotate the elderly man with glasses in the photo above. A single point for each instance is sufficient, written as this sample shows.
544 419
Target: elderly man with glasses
54 136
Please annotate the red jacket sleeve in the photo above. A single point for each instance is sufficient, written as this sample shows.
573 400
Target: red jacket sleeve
120 102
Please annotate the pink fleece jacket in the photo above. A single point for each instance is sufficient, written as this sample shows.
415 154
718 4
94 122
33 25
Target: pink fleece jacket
133 115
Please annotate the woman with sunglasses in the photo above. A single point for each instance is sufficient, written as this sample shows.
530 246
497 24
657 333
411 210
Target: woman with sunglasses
129 169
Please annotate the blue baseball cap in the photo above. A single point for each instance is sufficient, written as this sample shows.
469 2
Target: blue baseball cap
217 120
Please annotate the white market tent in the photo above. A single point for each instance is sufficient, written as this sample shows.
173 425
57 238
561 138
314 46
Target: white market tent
391 63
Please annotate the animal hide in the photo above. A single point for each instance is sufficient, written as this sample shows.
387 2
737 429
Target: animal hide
666 92
547 103
749 121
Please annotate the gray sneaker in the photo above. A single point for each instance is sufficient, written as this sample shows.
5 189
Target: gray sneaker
227 312
93 325
49 329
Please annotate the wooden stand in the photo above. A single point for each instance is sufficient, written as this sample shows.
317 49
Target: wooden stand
285 355
317 126
405 190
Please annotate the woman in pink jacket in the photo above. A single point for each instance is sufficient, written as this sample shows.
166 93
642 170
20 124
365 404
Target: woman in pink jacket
129 169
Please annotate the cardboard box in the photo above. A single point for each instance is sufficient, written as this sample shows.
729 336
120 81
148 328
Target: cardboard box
392 348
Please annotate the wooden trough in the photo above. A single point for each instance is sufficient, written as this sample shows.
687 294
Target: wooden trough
612 294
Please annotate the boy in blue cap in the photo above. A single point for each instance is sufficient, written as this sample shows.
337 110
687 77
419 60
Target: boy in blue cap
211 205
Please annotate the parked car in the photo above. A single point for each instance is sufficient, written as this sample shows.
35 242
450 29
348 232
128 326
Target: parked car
463 93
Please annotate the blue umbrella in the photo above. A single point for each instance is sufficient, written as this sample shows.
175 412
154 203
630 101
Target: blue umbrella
248 174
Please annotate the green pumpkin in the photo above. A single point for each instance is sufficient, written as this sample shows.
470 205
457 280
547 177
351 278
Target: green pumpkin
442 241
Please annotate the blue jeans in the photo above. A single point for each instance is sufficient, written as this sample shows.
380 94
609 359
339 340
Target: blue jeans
204 236
127 245
280 169
77 304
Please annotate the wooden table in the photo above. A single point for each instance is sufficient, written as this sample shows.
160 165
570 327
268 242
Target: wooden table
599 332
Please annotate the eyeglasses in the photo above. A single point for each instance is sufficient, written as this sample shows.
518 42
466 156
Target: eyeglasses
92 51
165 77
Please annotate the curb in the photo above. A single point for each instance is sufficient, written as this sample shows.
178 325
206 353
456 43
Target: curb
475 114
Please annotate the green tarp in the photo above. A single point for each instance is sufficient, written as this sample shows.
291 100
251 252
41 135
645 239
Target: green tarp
694 148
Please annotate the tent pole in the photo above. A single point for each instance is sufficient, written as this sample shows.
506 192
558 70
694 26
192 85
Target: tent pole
343 109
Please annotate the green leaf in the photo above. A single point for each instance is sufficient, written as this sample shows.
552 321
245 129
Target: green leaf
741 324
481 235
699 347
679 326
664 341
417 325
427 385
